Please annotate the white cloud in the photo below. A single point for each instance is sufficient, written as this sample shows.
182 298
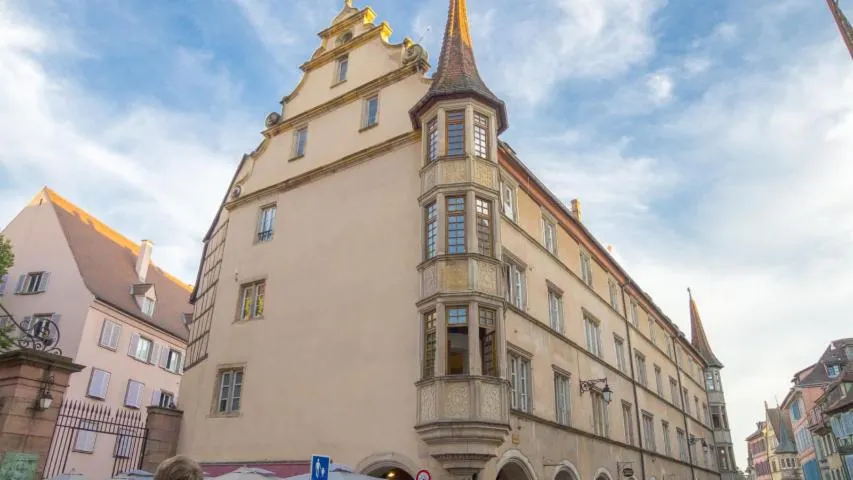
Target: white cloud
660 86
144 169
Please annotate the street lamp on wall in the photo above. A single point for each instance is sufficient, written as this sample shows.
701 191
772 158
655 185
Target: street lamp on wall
587 385
45 399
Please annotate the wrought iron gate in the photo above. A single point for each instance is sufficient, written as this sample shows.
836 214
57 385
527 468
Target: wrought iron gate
80 423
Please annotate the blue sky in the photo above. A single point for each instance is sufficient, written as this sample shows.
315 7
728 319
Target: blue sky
708 141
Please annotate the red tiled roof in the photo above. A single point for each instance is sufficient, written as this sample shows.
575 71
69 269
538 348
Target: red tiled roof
107 262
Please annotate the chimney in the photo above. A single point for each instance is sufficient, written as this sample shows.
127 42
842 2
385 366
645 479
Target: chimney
143 260
576 208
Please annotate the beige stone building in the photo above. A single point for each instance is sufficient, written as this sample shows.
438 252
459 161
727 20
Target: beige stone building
101 300
385 282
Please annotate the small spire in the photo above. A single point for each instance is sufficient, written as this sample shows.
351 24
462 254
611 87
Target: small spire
698 337
347 3
457 74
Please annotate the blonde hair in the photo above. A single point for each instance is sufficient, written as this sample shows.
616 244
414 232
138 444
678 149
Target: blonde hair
178 468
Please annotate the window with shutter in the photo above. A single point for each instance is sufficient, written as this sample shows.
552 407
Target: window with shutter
33 282
124 444
98 384
85 441
133 396
4 279
110 333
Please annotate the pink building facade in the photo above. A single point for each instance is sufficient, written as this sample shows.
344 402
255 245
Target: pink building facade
112 310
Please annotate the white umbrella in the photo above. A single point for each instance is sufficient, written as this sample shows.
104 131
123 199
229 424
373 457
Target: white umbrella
249 473
72 475
134 475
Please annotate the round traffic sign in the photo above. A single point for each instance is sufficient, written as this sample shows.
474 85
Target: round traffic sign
423 475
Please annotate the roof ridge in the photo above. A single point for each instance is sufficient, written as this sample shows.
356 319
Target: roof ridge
103 229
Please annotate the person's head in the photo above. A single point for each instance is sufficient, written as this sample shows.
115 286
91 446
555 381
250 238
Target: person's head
178 468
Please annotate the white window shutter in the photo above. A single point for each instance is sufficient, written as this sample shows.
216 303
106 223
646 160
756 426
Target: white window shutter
55 318
140 389
21 280
115 334
134 341
155 353
106 332
181 363
155 397
42 286
163 361
4 279
27 323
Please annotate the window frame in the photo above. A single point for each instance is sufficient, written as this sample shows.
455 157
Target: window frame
614 293
448 123
341 69
429 324
640 364
628 422
431 230
549 234
140 341
127 400
456 217
148 305
365 117
178 365
255 286
592 333
106 382
115 331
648 427
563 398
266 223
521 396
483 214
432 140
667 441
515 276
481 126
509 189
555 309
600 416
232 373
300 142
32 283
87 427
659 380
586 267
619 348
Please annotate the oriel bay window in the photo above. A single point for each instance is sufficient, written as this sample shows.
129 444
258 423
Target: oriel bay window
457 340
455 121
481 135
431 214
432 140
488 339
484 226
455 225
429 344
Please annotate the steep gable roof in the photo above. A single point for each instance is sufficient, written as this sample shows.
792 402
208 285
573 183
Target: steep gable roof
107 263
698 337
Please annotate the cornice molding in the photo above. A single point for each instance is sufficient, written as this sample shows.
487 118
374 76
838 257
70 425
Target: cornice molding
328 169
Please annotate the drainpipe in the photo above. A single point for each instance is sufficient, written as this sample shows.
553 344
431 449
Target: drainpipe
634 385
684 413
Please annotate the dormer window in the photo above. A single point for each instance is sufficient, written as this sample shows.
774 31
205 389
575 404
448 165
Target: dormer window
147 306
346 37
833 371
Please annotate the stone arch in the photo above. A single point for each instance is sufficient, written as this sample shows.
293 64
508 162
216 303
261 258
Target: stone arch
603 474
517 466
566 467
386 461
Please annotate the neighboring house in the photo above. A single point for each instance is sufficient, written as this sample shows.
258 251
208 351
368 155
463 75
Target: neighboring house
757 444
809 385
782 451
828 372
837 403
387 283
118 314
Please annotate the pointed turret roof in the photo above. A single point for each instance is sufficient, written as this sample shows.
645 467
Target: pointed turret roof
698 337
457 74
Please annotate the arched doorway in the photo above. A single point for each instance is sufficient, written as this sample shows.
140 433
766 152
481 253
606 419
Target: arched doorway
564 475
390 473
514 471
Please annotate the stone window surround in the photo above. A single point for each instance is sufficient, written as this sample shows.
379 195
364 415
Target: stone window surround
512 349
243 283
470 106
214 401
472 301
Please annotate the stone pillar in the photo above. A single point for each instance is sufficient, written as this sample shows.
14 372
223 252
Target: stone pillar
25 429
164 426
